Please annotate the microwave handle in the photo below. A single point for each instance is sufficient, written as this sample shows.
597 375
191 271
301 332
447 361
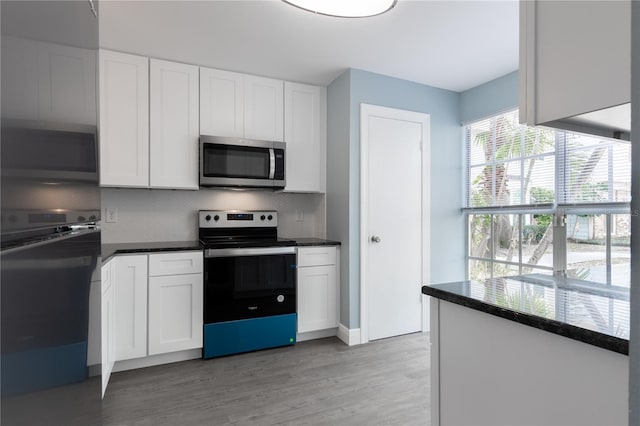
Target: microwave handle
272 163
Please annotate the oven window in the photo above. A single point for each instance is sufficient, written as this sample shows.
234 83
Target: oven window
236 162
249 286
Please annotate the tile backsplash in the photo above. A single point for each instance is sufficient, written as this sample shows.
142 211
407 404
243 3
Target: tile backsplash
145 215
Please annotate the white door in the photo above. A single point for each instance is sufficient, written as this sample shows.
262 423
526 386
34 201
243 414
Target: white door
394 218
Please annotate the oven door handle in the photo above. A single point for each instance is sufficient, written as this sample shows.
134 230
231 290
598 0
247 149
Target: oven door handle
248 251
272 163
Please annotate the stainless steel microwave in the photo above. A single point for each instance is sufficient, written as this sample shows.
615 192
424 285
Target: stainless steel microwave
241 163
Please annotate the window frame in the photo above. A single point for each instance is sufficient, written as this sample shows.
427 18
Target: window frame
559 208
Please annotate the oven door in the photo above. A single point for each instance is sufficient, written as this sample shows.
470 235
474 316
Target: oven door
249 283
240 162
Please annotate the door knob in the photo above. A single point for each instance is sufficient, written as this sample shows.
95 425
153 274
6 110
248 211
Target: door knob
375 239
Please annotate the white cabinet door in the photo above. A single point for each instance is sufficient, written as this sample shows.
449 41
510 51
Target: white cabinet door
263 108
304 121
124 119
317 298
575 58
107 325
19 78
130 299
175 313
48 82
221 103
174 125
67 81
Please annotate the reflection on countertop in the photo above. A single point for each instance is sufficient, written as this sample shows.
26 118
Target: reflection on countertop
109 250
590 312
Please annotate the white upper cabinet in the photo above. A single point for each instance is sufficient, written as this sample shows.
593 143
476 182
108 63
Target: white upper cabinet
67 84
221 103
124 119
575 58
241 105
19 78
174 128
263 108
304 133
48 82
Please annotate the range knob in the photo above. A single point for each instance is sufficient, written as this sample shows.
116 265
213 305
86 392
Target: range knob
270 217
207 217
216 218
263 217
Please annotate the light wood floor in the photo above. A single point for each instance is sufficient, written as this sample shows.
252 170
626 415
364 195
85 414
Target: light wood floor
319 382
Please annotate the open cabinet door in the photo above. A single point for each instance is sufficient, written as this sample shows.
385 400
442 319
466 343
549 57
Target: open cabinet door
108 325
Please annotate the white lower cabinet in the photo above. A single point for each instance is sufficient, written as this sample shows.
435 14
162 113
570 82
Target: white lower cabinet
318 289
175 306
130 301
157 304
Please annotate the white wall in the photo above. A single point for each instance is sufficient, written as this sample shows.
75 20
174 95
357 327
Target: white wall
170 215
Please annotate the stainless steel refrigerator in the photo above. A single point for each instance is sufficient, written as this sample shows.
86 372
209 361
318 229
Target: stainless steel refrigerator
50 202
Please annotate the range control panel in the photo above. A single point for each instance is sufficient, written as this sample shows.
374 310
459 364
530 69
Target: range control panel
237 219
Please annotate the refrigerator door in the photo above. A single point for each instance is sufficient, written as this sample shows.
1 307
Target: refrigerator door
45 289
49 181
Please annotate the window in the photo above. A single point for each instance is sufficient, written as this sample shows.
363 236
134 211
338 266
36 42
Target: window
545 201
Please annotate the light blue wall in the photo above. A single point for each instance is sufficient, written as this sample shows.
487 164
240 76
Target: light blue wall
501 94
447 110
447 227
338 122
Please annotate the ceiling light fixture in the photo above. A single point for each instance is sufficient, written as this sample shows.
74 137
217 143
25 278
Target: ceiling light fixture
345 8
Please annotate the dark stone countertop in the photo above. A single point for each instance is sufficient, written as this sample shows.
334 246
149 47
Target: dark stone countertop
304 242
592 313
109 250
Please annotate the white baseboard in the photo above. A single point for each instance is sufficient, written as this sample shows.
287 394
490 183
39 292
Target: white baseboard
153 360
318 334
349 336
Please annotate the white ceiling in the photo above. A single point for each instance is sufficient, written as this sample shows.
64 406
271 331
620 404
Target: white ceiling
453 45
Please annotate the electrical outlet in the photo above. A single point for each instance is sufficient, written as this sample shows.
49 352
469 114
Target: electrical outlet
111 214
299 215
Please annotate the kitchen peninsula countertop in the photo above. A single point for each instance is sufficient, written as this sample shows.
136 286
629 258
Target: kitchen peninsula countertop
589 312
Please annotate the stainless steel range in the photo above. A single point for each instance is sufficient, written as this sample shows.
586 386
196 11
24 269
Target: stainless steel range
249 282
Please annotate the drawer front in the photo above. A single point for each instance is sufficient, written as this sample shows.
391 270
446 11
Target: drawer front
316 256
175 263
